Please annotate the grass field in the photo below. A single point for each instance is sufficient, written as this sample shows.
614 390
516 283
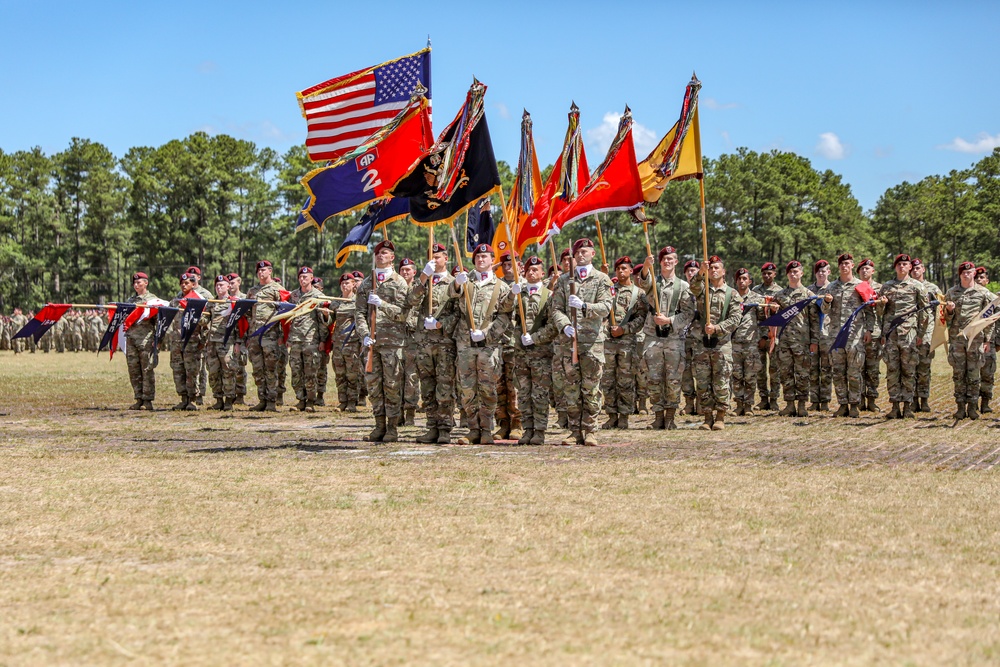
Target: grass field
208 539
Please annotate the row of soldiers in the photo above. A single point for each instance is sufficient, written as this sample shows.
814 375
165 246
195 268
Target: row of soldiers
77 331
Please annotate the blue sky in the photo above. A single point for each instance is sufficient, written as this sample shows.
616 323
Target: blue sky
880 92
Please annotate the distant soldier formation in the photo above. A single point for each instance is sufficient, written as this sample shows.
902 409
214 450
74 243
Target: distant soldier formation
506 345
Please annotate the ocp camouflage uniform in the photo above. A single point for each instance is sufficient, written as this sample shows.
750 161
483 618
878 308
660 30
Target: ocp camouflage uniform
241 359
582 379
345 355
794 357
820 378
5 333
664 346
139 355
479 362
220 358
900 345
186 360
508 414
746 356
621 355
688 389
263 350
925 355
988 372
304 355
713 366
769 365
324 359
436 355
848 363
58 335
411 377
533 364
385 381
967 359
18 322
873 355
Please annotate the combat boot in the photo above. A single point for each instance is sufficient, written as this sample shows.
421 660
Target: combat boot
351 407
970 410
310 405
147 405
622 422
219 402
894 412
788 411
689 407
409 414
281 399
720 421
538 437
301 405
526 436
815 406
342 406
191 407
589 439
907 411
270 407
658 422
563 420
516 427
182 404
611 423
378 432
239 400
960 412
871 405
260 407
471 439
668 419
319 400
137 405
984 403
854 412
503 433
764 403
198 400
574 438
922 405
444 436
842 411
641 409
801 410
825 406
227 405
486 430
428 437
709 420
391 434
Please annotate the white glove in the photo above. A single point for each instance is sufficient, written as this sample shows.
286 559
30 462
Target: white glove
367 342
515 288
569 330
477 335
526 340
429 268
461 278
575 302
374 300
430 323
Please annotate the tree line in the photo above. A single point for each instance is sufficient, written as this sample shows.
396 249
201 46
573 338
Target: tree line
75 225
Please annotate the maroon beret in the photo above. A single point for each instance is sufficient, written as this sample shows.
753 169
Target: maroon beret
565 253
139 275
457 270
505 257
304 270
741 272
966 266
552 270
866 262
233 276
483 248
768 266
916 262
221 279
820 263
318 282
358 274
794 264
665 250
715 259
437 247
346 277
624 259
195 270
582 243
187 276
533 261
406 261
386 243
901 257
264 264
691 263
982 271
844 257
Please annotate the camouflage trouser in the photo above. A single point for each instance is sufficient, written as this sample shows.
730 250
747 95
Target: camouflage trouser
769 371
901 369
241 373
872 373
746 366
479 374
203 378
847 367
141 367
507 387
618 380
18 345
436 367
222 364
642 376
385 382
534 385
819 376
558 394
966 365
924 358
583 383
321 374
664 359
305 359
987 373
794 365
346 371
264 358
687 377
60 344
713 372
77 342
411 378
282 367
186 365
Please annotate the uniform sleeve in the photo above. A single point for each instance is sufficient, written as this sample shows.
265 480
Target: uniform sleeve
923 313
732 322
603 302
639 312
361 312
557 305
686 313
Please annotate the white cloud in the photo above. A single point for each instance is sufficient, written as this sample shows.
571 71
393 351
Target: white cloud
263 131
601 137
725 137
983 143
829 146
712 103
502 110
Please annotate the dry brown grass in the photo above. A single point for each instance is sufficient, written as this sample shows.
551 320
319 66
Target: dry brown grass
210 539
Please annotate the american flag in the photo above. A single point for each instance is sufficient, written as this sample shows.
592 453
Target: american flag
343 112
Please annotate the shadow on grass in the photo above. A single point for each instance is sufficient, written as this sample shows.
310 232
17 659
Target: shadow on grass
298 446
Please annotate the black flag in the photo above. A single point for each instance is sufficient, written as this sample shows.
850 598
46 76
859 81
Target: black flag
240 308
164 318
189 320
122 310
479 228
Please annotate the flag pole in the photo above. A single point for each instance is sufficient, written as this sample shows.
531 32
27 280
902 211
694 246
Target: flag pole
604 261
572 291
513 260
652 276
458 258
704 251
370 361
430 256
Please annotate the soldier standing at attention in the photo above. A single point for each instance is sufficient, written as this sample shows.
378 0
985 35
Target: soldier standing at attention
195 273
18 321
345 348
558 394
989 370
479 343
533 355
186 360
303 343
768 358
621 351
873 349
848 363
411 379
901 296
925 355
221 358
579 312
241 357
691 268
713 350
324 349
139 355
666 321
435 345
508 415
263 349
798 342
963 303
382 296
820 380
746 357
